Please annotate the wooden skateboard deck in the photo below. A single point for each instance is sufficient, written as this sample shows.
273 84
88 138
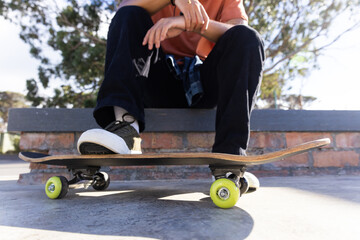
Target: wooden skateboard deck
196 158
229 170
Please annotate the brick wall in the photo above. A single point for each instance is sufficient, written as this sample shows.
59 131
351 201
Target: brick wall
342 156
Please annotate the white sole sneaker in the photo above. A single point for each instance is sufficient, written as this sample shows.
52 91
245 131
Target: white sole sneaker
253 182
100 141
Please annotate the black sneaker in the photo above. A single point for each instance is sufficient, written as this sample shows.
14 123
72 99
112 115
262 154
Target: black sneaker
118 137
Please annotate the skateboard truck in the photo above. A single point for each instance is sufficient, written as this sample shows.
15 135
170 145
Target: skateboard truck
58 186
83 174
98 180
234 173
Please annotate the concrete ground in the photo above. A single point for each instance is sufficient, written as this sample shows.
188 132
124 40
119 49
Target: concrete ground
325 207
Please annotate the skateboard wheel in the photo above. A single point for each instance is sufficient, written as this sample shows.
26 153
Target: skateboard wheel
56 187
224 193
101 181
244 185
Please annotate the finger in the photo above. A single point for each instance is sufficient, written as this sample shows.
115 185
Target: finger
206 20
199 19
151 37
164 32
193 19
157 37
146 38
187 21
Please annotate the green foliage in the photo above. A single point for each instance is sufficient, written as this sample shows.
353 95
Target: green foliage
291 101
72 32
2 7
10 100
16 143
9 143
289 29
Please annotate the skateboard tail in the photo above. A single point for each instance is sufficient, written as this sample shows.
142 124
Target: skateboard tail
288 152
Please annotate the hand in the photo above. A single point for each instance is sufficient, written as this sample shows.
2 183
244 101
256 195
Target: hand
163 29
196 18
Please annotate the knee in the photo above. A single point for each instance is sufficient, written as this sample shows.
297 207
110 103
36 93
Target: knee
131 11
131 14
244 35
130 17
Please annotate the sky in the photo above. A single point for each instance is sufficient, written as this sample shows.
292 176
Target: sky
16 64
336 85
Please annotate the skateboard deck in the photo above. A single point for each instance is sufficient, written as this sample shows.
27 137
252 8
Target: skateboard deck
229 170
196 158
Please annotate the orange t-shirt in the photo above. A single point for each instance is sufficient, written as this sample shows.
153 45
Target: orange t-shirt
189 44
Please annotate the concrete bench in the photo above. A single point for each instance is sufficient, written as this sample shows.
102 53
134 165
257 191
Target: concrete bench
185 120
55 131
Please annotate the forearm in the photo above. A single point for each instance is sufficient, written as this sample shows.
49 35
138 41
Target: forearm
173 26
152 6
217 29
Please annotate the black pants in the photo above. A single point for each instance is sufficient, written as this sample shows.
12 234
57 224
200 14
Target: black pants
230 75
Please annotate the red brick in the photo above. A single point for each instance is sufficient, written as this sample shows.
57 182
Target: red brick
270 173
36 178
199 176
132 167
60 140
325 171
149 150
296 138
266 140
45 141
162 140
118 177
146 140
348 140
300 160
335 158
200 140
38 166
77 136
30 141
34 166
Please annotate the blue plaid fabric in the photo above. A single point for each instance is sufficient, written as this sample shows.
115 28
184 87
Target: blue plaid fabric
189 74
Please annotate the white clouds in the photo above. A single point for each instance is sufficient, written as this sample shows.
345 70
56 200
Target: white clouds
16 64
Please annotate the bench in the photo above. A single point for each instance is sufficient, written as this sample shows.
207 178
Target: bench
55 131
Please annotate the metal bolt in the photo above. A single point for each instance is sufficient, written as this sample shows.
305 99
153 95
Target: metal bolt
51 188
224 193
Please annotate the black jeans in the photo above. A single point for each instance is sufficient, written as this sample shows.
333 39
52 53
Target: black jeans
230 75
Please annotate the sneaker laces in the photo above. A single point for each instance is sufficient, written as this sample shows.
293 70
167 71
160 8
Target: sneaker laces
117 124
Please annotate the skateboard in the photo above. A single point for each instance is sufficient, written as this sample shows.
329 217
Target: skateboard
229 170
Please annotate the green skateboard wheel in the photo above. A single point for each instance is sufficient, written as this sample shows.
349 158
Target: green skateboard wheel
224 193
56 187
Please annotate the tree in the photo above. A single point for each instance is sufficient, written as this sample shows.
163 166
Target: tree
73 30
290 29
9 100
290 101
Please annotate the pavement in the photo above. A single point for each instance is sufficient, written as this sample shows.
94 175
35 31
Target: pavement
309 207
